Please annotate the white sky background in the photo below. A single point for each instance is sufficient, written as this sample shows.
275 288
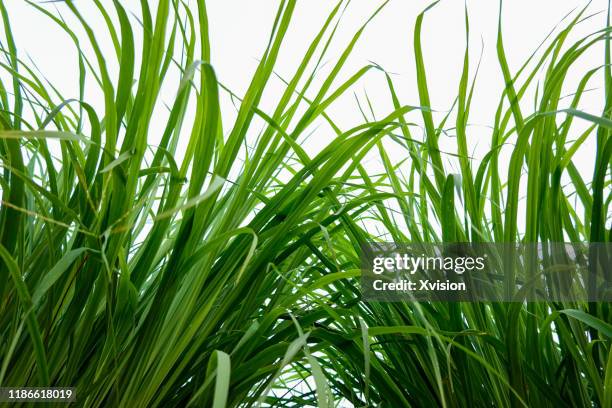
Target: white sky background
240 29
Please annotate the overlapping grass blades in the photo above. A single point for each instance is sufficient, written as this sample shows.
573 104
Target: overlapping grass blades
149 275
143 277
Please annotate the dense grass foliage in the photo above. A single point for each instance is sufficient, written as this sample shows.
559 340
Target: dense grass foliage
144 277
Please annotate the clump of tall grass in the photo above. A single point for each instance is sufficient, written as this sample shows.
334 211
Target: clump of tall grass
143 278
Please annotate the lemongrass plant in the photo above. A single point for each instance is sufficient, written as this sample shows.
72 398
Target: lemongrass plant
142 277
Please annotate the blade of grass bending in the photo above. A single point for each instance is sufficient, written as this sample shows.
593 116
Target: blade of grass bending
219 368
30 316
432 141
126 73
55 273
